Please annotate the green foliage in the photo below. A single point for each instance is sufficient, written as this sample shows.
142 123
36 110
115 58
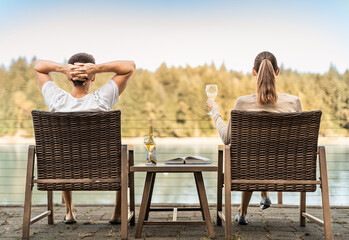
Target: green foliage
174 98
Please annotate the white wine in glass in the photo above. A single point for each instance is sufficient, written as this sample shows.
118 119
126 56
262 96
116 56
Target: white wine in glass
211 92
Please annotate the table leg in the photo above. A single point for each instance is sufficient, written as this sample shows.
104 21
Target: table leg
144 203
205 208
150 195
200 200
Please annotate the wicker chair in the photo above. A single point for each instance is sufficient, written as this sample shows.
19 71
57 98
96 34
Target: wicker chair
273 152
75 152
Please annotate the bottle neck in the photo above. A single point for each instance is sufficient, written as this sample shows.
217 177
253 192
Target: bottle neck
151 131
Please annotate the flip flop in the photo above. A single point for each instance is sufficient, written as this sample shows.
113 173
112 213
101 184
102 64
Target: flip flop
72 221
115 222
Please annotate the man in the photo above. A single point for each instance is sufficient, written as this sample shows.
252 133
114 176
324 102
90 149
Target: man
80 72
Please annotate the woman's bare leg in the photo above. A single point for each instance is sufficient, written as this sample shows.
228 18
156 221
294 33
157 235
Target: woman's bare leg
265 201
68 199
245 200
117 211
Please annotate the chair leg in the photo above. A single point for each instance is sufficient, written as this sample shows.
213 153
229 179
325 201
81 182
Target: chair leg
227 213
28 193
50 207
27 214
132 188
132 201
227 186
124 183
219 185
325 194
302 208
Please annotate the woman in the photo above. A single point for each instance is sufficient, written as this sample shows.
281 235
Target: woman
266 98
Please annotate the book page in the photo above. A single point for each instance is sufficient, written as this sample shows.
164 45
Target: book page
175 161
197 160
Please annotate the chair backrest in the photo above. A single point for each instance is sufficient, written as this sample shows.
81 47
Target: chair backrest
79 145
274 146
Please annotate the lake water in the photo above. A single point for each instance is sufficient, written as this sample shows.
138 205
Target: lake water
169 188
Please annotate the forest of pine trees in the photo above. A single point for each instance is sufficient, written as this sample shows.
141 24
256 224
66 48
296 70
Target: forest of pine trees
174 98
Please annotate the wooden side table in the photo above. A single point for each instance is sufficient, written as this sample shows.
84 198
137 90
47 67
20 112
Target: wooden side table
148 191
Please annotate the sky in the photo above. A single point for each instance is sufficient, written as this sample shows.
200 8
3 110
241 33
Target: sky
306 36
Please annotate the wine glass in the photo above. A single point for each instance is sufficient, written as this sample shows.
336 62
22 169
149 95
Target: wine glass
146 140
211 92
150 148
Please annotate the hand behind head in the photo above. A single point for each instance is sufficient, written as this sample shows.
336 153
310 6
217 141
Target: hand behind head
85 71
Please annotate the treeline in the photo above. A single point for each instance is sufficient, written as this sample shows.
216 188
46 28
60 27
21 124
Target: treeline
174 98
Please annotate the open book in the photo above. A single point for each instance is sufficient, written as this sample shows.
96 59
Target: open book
189 160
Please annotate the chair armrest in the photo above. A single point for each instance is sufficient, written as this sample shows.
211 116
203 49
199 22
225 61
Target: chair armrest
130 149
320 147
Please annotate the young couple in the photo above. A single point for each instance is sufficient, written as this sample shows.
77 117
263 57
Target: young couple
81 70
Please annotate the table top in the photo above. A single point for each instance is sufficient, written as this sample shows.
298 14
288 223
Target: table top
161 167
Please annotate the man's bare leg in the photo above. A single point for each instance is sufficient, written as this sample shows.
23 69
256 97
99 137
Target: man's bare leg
117 211
245 200
264 194
68 199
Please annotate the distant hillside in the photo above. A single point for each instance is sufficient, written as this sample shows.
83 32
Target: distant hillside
175 98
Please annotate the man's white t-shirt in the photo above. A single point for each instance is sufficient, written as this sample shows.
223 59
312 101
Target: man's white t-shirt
58 100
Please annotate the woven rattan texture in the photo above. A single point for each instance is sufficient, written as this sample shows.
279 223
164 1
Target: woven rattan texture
274 146
77 146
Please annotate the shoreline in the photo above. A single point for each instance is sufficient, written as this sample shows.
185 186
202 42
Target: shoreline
9 140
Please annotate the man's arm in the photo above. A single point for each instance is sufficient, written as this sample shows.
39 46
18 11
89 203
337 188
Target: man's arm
123 70
43 68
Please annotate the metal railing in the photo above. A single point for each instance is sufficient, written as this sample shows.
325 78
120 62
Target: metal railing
13 168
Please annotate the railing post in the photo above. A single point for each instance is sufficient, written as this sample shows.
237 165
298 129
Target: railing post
279 197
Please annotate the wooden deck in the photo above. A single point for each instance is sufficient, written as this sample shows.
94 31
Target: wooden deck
277 222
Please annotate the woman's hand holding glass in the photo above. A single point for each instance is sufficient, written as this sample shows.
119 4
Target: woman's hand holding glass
211 92
210 104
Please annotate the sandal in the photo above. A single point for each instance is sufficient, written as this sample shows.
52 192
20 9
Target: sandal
72 221
265 203
242 220
115 222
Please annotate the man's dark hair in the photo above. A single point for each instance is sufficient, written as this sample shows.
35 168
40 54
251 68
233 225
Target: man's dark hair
81 58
